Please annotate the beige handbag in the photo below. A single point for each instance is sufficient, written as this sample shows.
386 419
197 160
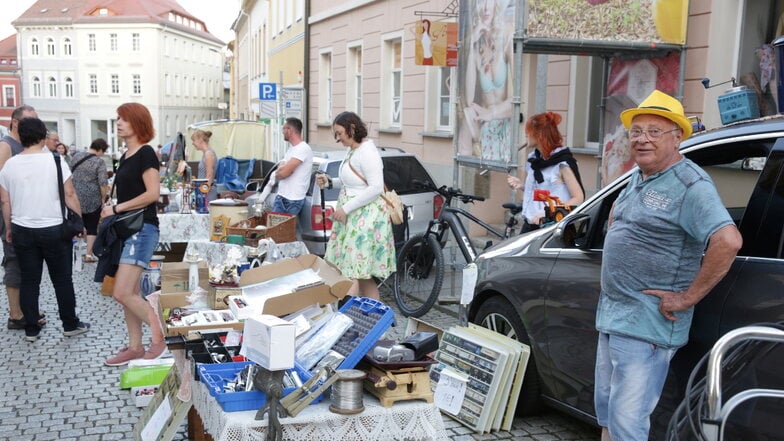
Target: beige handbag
390 197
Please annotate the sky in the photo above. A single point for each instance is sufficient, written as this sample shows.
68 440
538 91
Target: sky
218 15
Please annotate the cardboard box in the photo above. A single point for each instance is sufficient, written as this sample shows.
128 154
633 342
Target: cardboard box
179 299
218 295
142 395
269 342
277 303
174 277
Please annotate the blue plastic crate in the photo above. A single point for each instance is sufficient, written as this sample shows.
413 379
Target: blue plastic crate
371 319
216 376
738 105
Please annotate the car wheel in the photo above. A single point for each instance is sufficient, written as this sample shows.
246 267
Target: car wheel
498 315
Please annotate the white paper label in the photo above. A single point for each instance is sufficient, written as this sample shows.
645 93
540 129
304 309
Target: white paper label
157 421
450 391
470 274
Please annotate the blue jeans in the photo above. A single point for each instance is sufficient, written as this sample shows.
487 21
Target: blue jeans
139 248
33 247
630 375
283 205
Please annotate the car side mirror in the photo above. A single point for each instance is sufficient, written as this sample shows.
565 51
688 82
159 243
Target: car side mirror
573 231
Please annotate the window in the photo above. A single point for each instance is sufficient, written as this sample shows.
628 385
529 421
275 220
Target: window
392 83
67 47
354 78
136 44
34 50
93 81
585 103
444 109
9 96
187 90
50 47
51 87
91 42
137 84
167 84
113 42
69 87
115 84
325 88
177 85
36 89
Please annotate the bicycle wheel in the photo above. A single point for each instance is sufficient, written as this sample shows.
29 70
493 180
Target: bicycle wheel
420 272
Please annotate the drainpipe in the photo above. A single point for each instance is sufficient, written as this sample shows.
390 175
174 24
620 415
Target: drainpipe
306 69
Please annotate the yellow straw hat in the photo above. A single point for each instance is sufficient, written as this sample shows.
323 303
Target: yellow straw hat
661 104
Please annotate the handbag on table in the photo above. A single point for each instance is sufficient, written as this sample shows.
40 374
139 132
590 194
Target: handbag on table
73 225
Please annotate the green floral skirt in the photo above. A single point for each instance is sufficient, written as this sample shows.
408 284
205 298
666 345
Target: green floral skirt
363 247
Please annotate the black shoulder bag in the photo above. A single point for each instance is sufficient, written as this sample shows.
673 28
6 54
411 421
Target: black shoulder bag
73 225
127 223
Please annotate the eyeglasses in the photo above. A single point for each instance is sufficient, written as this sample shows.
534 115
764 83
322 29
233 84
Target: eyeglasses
651 134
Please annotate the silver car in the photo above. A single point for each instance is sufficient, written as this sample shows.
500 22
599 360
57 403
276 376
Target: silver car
401 171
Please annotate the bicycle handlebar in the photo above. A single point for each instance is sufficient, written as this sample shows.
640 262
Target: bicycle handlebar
448 192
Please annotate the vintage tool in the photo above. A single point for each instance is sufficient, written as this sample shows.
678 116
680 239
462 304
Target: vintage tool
400 384
271 383
301 397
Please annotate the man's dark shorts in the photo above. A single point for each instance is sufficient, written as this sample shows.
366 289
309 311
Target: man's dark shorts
13 275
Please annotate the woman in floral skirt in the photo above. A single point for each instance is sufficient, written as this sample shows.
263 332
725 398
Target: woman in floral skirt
361 244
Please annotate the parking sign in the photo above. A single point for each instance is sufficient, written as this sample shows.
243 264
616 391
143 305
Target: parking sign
268 91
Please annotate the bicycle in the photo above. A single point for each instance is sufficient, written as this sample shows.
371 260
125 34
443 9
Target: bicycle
420 263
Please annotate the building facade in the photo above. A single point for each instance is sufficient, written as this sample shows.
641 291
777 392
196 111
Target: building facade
79 62
10 84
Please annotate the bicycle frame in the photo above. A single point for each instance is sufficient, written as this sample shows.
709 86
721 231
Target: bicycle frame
450 218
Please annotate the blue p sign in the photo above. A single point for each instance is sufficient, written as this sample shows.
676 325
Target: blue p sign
268 92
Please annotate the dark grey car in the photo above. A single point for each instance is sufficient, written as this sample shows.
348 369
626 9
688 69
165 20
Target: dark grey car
542 288
401 169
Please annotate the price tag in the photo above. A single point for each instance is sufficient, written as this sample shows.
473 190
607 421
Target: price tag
450 391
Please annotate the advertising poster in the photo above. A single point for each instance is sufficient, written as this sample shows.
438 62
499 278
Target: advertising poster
647 21
629 83
436 43
485 72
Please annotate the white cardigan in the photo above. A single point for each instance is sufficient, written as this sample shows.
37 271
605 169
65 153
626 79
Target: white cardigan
366 160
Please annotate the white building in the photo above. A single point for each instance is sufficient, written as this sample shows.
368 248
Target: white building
80 61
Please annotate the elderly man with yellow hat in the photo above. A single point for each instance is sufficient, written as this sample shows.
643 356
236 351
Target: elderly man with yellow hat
653 269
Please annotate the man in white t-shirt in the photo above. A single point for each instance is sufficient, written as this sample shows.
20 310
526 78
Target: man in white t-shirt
293 173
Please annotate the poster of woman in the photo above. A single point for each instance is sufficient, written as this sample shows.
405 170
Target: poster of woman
484 126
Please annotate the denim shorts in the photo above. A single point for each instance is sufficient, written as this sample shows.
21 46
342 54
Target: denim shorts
630 375
283 205
139 248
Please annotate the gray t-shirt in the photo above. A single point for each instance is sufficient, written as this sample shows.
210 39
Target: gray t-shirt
661 226
16 148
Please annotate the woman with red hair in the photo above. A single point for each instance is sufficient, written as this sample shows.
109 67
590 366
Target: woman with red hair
550 167
138 186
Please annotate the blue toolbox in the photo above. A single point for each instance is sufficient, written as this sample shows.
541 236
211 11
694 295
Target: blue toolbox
738 104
